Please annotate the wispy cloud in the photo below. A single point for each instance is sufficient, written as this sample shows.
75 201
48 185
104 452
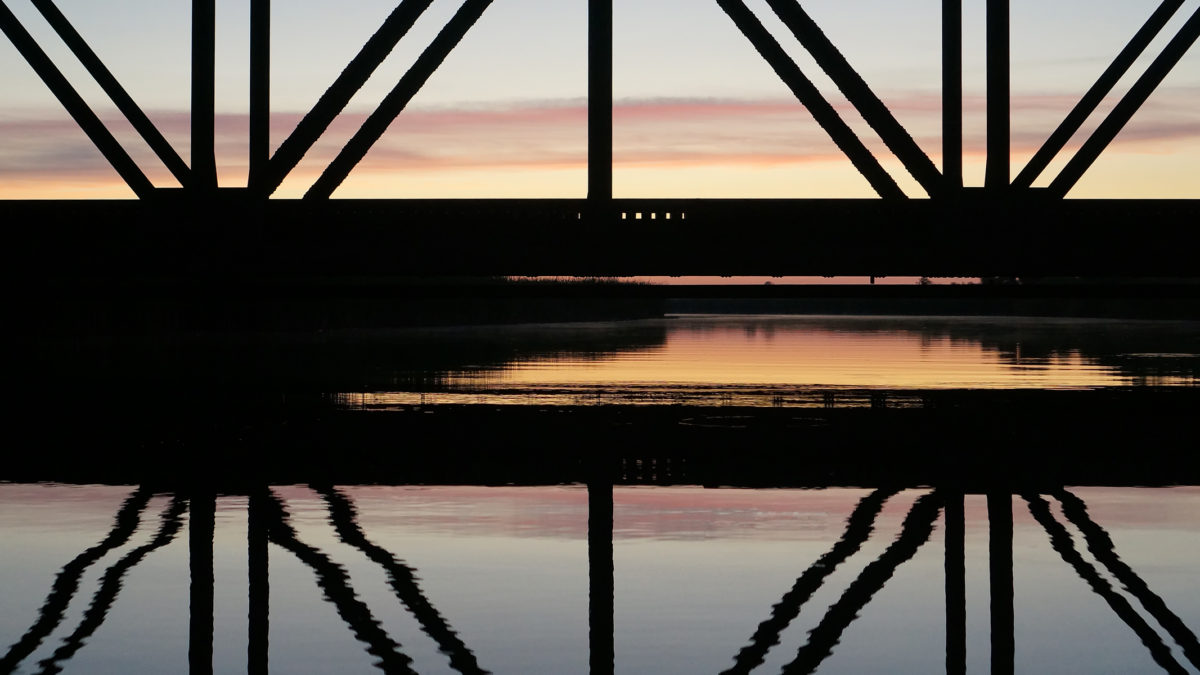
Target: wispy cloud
553 134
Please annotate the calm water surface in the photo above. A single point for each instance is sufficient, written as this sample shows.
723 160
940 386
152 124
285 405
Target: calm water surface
111 579
476 579
782 360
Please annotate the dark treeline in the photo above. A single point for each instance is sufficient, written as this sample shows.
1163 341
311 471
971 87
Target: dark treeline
310 361
1080 306
155 306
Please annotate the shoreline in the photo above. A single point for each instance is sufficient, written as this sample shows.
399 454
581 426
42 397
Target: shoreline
93 307
977 439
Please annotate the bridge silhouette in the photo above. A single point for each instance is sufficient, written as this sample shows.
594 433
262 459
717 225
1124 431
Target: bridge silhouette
205 233
269 523
1005 227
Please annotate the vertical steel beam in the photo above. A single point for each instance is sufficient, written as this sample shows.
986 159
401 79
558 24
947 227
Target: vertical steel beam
600 103
1094 96
260 92
600 571
201 523
1000 566
87 120
810 97
348 82
259 620
956 585
952 94
1126 107
396 100
115 91
856 90
204 46
999 124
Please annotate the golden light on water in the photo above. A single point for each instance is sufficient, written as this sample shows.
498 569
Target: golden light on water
811 361
732 356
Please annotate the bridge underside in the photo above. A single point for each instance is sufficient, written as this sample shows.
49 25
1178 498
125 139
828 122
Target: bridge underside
231 235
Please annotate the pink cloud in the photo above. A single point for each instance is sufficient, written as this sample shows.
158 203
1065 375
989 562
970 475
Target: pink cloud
553 134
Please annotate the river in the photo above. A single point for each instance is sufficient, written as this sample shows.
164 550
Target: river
621 576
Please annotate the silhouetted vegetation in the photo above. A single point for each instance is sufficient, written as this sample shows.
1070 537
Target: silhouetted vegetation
339 360
938 303
322 304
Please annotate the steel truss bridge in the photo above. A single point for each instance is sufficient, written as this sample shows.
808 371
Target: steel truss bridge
1005 227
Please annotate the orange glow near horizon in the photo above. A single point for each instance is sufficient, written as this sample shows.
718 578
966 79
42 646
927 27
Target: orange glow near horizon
673 148
1122 174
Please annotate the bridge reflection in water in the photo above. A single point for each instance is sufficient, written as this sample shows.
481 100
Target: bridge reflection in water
269 521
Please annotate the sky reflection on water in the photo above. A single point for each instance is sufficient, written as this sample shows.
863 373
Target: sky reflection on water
897 352
780 360
503 573
725 359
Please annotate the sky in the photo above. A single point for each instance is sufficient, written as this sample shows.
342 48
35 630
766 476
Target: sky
697 113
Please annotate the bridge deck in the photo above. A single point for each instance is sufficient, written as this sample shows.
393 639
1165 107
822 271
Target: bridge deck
978 235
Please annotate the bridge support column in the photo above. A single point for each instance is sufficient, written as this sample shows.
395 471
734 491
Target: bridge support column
600 570
204 61
956 585
952 93
260 92
259 586
600 94
998 109
201 523
1000 563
